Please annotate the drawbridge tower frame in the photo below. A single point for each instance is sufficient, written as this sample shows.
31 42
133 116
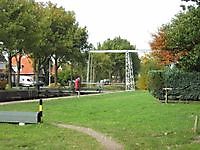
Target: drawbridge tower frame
129 76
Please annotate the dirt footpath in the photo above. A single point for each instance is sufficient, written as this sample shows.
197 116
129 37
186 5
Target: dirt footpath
107 142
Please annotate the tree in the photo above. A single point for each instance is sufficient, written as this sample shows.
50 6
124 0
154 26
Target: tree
78 52
183 36
66 38
29 19
159 40
42 31
101 66
17 28
148 63
158 45
65 75
160 51
192 4
116 62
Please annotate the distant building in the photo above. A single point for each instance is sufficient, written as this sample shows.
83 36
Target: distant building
26 68
26 65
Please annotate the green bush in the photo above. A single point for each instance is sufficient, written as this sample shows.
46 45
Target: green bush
142 82
148 63
64 76
156 83
185 85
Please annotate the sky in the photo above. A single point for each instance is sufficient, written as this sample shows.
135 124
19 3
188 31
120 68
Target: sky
134 20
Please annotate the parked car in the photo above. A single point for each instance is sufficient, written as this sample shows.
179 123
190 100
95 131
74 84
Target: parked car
105 82
26 81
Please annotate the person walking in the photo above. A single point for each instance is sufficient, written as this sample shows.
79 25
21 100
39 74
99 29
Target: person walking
77 86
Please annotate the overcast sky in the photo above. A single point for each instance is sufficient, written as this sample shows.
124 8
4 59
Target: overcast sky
133 20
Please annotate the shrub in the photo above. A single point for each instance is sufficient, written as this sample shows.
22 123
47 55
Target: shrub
148 63
64 76
142 82
156 83
185 85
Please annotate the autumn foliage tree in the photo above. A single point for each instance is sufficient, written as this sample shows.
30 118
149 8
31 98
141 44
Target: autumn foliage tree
148 63
158 45
159 40
161 52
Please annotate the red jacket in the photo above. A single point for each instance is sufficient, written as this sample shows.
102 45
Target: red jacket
77 84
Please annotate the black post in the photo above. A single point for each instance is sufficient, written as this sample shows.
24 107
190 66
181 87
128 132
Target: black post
40 114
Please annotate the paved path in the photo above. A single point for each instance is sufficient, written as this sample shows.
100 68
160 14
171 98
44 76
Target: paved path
107 142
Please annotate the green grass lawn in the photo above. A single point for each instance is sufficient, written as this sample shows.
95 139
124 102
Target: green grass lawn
134 119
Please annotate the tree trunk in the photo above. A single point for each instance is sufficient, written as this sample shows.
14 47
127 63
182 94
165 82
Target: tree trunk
10 70
56 70
18 61
38 71
110 76
34 69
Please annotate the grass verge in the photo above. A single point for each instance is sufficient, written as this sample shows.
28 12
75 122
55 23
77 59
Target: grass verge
135 119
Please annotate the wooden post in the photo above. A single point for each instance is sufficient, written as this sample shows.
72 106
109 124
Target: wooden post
166 98
196 123
166 94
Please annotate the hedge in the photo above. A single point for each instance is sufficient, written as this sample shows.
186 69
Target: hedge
185 85
156 83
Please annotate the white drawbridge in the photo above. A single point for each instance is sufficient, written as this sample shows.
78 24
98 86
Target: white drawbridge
129 76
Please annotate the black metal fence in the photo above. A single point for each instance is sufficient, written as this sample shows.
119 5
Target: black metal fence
6 96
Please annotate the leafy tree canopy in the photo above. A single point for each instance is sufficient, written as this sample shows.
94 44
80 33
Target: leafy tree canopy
117 61
41 30
183 35
192 4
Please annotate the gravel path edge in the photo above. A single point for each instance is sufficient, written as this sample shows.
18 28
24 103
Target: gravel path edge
107 142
